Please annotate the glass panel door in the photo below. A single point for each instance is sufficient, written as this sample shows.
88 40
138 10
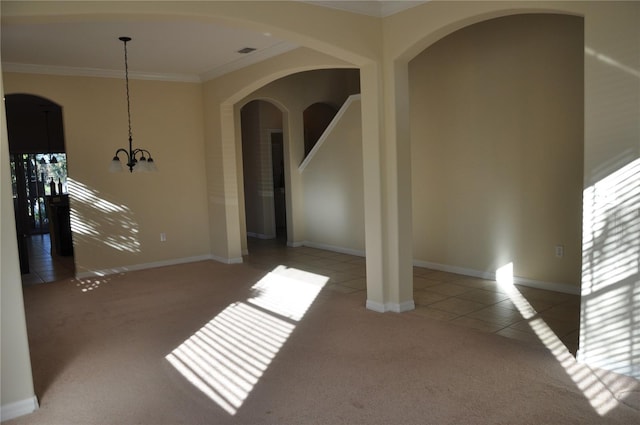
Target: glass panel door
35 176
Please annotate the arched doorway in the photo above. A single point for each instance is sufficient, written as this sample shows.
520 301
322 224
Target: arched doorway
39 182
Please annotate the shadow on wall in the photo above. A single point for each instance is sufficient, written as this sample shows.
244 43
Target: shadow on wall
98 223
610 322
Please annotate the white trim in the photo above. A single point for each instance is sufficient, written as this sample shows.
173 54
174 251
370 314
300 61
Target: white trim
260 235
295 244
328 131
250 59
375 306
334 248
144 266
402 307
393 307
235 260
18 408
548 286
96 72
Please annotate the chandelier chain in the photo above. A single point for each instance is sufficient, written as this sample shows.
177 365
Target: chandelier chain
138 158
126 76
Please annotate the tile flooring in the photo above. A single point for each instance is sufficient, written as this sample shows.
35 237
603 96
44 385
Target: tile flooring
462 300
43 265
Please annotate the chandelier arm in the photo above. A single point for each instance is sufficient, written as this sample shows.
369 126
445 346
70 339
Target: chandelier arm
131 162
142 151
122 150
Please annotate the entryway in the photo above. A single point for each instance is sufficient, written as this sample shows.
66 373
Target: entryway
38 165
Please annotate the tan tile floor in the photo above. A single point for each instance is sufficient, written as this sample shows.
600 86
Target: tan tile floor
43 266
462 300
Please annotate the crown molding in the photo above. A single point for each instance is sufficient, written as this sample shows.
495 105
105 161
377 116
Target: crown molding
249 59
96 72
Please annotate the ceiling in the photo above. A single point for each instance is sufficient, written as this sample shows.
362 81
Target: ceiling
174 50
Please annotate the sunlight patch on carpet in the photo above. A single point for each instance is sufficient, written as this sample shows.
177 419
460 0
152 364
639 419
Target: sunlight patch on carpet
601 393
226 358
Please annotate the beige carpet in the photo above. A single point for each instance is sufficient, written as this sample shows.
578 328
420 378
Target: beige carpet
99 352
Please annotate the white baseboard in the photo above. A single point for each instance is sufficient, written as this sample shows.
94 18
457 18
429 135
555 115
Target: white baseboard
375 306
144 266
549 286
18 408
295 244
394 307
334 248
235 260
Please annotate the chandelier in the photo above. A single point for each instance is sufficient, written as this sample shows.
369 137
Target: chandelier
136 159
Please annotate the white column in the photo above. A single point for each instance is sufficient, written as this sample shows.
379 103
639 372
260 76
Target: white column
387 187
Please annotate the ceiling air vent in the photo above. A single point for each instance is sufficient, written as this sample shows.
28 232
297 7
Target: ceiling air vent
246 50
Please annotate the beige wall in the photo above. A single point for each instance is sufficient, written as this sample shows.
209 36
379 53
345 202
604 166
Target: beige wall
117 218
497 142
333 187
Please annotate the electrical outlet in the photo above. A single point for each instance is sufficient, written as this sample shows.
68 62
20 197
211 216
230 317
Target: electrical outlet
163 237
559 251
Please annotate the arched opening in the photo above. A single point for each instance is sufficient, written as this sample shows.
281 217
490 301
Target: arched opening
39 182
290 95
497 146
263 166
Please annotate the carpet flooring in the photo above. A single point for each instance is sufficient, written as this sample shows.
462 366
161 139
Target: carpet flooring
208 343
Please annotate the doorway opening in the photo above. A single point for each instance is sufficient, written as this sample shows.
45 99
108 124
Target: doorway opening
279 197
264 171
38 164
